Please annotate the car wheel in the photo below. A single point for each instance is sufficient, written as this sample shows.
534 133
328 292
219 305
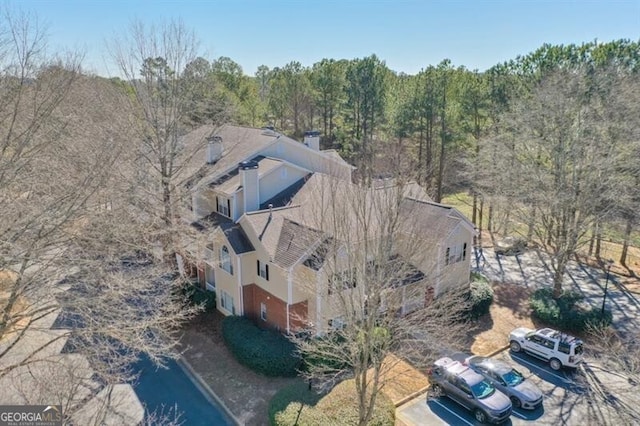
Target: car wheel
515 346
515 402
555 364
480 416
436 391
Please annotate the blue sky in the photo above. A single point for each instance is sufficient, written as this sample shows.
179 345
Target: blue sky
407 34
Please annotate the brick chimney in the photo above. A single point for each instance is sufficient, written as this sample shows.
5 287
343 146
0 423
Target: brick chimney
214 149
312 139
251 188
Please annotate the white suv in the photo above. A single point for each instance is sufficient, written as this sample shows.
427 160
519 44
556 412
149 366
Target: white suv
561 350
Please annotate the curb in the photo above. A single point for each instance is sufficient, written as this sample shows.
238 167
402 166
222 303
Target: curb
411 396
199 382
496 352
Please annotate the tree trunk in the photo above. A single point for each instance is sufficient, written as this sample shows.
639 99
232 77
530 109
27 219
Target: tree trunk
592 240
480 220
490 219
558 275
625 243
532 220
598 240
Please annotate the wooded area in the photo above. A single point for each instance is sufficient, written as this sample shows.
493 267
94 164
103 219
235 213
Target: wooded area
92 175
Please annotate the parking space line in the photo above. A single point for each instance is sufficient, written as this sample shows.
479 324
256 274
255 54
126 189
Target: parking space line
564 379
452 412
522 416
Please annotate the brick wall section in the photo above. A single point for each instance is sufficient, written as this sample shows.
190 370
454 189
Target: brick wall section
298 316
253 296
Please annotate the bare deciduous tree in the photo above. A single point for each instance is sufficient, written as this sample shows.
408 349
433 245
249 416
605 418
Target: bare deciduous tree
612 377
153 62
556 159
63 137
376 267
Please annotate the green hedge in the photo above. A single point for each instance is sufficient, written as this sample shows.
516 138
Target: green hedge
297 405
564 313
198 296
480 296
264 351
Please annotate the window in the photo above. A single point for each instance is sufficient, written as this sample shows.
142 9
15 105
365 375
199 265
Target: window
565 348
226 301
455 254
337 323
464 387
263 270
225 260
223 206
341 281
263 311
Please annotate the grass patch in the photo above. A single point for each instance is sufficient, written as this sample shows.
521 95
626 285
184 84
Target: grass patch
461 201
338 407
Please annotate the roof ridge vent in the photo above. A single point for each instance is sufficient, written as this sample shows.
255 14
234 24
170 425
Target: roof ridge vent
269 131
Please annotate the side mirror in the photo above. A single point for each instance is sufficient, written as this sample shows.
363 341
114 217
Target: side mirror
470 396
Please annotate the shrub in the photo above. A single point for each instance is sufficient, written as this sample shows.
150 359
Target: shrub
338 407
198 296
264 351
298 395
480 296
565 313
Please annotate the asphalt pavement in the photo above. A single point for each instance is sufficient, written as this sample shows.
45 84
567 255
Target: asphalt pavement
566 401
533 269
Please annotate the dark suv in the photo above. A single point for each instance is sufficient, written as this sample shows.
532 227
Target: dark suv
511 246
469 389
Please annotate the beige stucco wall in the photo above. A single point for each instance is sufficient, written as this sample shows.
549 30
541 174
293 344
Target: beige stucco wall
275 182
227 282
203 202
299 154
456 274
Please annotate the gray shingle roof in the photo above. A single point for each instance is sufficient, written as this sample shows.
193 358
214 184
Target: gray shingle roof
233 232
296 242
238 143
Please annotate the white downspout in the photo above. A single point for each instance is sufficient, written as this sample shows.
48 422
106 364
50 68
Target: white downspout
241 310
289 295
318 304
438 271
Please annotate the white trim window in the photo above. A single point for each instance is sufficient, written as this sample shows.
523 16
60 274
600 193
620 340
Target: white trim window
263 270
225 260
456 254
337 323
263 311
226 302
223 206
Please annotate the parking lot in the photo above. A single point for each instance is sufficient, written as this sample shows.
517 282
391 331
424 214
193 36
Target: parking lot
565 400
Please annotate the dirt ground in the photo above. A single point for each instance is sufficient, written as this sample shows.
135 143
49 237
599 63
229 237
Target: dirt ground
510 309
245 393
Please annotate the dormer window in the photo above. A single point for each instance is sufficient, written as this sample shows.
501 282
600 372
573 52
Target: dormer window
223 206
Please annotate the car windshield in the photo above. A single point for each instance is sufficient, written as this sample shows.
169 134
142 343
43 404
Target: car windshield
513 378
578 349
482 389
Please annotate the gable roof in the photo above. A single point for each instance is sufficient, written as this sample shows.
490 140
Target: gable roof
232 231
238 144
